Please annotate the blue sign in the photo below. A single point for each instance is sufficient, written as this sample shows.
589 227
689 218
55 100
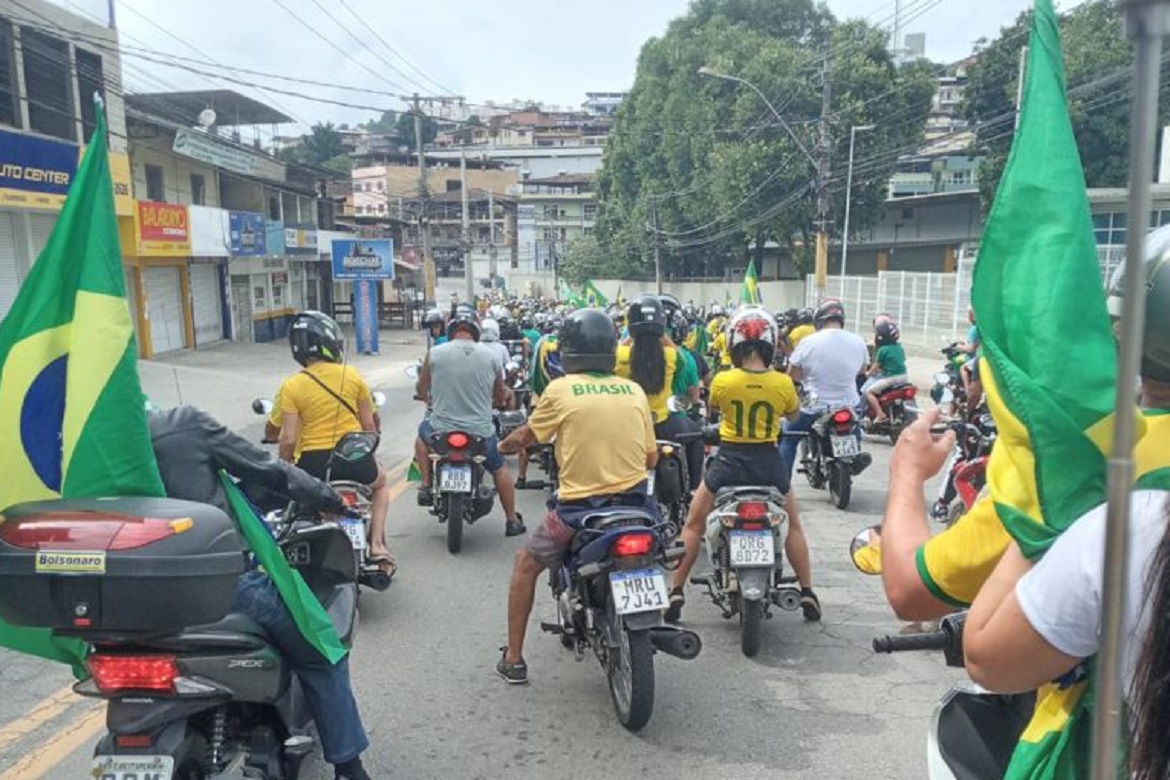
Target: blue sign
372 259
274 237
31 164
249 234
365 315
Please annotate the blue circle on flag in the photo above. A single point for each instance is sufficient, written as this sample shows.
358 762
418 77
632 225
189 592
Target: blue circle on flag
42 418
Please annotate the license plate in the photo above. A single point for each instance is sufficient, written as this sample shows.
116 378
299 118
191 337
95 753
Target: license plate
641 590
455 479
132 767
752 548
845 446
356 531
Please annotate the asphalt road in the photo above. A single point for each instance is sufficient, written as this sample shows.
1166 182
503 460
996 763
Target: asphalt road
816 702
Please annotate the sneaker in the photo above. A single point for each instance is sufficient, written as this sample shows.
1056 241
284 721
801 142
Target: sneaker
810 604
513 674
426 496
515 527
674 611
351 770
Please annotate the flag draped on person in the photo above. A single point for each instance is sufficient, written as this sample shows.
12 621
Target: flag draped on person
1037 280
594 297
567 296
750 292
72 412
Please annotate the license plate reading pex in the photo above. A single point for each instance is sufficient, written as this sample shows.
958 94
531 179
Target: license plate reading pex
133 767
455 479
641 590
752 548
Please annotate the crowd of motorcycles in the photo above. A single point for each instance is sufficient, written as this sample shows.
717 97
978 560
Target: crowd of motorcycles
218 700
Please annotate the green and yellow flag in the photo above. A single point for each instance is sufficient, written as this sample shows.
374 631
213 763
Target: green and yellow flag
593 296
1037 280
72 413
750 292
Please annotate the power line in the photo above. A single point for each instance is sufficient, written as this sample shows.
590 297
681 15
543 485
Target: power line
395 52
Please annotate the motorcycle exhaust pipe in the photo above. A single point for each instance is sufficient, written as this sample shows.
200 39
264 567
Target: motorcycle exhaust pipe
377 580
788 599
676 641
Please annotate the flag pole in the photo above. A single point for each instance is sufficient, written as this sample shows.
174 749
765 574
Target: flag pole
1146 22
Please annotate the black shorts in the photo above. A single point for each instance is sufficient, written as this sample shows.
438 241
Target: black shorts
315 462
739 465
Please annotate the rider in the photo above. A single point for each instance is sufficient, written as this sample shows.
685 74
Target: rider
801 327
464 382
747 451
604 440
828 364
528 329
889 365
191 449
436 328
319 405
490 338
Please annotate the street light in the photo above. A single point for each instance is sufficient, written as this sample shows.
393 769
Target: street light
853 131
706 70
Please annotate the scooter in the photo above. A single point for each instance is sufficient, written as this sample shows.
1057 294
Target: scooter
897 404
830 454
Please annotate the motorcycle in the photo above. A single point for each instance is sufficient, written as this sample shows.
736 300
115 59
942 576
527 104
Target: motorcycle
460 495
186 698
611 594
830 454
951 379
966 471
897 404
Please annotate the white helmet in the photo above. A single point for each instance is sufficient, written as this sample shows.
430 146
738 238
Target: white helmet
489 331
716 310
752 325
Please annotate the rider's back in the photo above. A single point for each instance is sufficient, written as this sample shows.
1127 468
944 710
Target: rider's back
463 377
830 361
323 419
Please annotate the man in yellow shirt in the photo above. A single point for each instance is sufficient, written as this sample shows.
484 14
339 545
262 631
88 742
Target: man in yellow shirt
804 327
322 402
605 442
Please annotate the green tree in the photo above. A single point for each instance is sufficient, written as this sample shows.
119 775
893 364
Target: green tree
383 125
321 144
585 258
705 160
405 130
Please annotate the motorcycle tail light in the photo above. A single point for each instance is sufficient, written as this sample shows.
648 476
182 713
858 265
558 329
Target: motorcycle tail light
632 545
349 497
457 440
133 672
842 416
752 526
752 510
88 531
133 741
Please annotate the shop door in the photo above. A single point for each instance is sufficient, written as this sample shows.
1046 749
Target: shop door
9 263
241 308
206 304
164 308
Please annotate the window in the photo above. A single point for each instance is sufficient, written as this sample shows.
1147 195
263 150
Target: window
9 105
590 211
89 81
277 295
381 186
49 85
198 189
588 231
259 297
155 184
274 208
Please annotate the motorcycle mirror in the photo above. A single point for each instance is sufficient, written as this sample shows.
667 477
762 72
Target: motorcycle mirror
379 398
866 550
412 371
262 406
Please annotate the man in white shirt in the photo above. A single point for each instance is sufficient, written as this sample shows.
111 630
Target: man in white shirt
828 363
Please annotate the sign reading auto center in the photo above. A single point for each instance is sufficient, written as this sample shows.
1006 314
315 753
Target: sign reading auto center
161 230
35 173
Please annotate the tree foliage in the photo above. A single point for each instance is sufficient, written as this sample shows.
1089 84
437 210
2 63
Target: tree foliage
584 259
1096 60
322 146
405 130
706 159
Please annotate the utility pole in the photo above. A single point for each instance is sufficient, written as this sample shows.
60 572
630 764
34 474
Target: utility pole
468 271
424 200
1020 86
492 238
823 163
657 250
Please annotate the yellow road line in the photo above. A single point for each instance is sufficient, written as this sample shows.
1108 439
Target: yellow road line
42 713
40 762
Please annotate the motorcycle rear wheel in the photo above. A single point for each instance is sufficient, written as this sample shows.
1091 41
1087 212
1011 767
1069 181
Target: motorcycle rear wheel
631 677
751 615
840 485
810 465
455 511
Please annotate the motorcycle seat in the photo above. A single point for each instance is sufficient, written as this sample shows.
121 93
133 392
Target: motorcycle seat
731 493
605 519
897 387
235 630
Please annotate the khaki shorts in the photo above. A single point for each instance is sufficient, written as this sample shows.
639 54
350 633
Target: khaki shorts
550 541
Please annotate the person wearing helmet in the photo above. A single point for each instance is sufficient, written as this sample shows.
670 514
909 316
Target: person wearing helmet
530 332
604 438
490 338
828 363
323 402
801 326
889 365
753 401
436 328
464 382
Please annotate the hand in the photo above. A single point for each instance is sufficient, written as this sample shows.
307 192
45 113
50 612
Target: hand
918 454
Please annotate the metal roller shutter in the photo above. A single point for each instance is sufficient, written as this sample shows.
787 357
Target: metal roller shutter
9 263
206 304
40 227
164 306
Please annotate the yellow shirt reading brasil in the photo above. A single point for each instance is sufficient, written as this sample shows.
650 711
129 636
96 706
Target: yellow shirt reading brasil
753 404
603 433
800 332
657 401
324 420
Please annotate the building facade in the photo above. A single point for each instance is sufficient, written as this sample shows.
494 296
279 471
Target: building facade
551 213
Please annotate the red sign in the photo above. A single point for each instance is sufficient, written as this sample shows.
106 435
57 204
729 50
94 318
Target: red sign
163 222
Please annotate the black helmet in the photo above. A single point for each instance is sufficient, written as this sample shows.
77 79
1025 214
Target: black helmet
781 318
463 321
885 330
432 317
676 320
315 336
804 316
829 309
587 342
1156 336
646 316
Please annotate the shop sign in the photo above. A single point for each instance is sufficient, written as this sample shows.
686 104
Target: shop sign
274 237
372 259
300 240
249 236
200 146
163 229
35 172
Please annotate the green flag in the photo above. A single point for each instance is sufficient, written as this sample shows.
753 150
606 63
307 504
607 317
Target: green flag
750 292
306 610
593 296
1036 281
72 413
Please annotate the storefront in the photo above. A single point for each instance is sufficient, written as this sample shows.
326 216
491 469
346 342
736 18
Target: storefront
266 288
157 247
210 249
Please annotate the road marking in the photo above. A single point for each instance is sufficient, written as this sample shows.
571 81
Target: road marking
60 746
45 710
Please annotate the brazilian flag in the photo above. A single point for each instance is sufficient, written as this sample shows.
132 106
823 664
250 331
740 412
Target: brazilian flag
750 292
593 297
1036 281
72 413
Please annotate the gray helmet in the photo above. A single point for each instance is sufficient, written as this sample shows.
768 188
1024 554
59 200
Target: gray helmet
1156 336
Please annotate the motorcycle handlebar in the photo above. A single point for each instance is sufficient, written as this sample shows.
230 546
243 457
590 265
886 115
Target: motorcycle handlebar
898 643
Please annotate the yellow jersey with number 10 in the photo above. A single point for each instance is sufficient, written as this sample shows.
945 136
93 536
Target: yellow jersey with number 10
753 404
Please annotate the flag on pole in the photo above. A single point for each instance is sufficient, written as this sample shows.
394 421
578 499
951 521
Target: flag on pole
750 292
72 412
1036 280
593 296
567 296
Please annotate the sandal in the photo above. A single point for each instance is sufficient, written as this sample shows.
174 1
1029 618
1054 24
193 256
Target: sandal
385 563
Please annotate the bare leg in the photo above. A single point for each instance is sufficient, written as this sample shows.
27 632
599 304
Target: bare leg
875 409
507 490
521 594
796 545
692 533
381 507
522 464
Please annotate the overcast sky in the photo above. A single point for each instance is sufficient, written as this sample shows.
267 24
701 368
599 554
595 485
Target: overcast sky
546 50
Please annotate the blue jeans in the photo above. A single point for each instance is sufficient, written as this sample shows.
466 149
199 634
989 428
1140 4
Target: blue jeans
494 462
326 685
788 444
